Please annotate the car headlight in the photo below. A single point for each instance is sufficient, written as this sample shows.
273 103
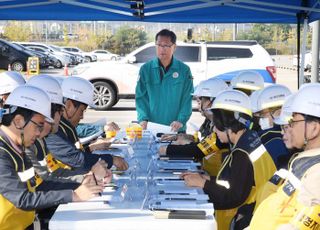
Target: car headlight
79 70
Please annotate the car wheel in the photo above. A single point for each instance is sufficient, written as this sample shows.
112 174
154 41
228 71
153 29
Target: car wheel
113 58
17 66
104 95
58 64
88 59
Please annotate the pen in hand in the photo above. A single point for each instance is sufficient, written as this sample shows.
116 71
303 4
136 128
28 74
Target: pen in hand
95 179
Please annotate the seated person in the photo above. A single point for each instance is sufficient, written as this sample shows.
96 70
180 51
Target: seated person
44 163
64 145
246 167
247 82
269 102
21 190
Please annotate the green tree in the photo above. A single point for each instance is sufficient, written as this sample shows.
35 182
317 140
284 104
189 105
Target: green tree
17 31
262 33
128 39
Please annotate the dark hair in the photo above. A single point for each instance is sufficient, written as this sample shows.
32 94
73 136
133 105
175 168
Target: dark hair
167 33
55 108
206 98
25 113
75 103
310 118
224 119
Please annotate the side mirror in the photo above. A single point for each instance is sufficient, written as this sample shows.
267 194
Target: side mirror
5 49
132 59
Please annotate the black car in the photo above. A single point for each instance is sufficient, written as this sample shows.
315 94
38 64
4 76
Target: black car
14 56
44 61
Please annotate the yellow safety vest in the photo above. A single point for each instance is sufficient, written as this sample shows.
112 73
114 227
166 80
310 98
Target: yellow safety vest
51 163
263 168
208 145
281 207
272 185
12 217
70 133
212 161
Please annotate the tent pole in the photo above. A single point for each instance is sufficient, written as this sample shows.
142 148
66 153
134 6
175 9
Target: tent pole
298 47
303 50
315 51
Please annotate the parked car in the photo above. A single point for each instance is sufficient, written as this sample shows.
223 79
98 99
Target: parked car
88 56
115 80
13 55
64 58
104 55
74 57
44 60
53 61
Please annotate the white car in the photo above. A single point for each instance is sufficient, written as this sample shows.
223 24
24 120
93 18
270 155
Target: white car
115 80
89 57
104 55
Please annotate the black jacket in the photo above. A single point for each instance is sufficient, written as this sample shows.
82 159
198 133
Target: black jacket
238 171
16 191
62 146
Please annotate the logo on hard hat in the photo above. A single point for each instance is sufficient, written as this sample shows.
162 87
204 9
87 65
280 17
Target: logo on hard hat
75 90
233 100
28 98
247 81
278 96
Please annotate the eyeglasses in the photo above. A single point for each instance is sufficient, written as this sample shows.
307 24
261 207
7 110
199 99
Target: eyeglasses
284 128
291 122
164 46
39 127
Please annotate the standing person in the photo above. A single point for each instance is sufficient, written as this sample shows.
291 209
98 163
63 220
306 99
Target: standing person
21 190
164 87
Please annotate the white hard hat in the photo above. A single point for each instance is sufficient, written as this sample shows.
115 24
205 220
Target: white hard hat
249 80
233 100
78 89
307 100
197 89
272 96
212 87
9 80
32 98
254 100
50 85
286 111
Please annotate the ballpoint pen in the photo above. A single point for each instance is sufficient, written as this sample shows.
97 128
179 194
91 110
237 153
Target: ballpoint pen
95 179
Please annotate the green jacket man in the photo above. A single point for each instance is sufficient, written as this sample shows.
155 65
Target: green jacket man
164 87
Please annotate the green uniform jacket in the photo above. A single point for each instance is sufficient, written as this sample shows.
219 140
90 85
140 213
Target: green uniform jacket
167 100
